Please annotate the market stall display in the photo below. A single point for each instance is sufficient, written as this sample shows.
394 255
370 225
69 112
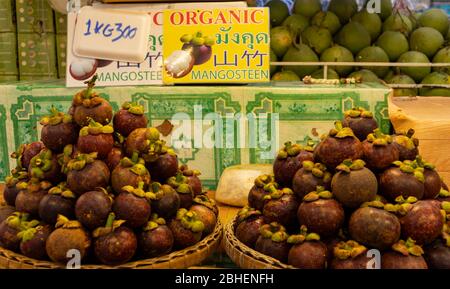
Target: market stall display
346 197
143 211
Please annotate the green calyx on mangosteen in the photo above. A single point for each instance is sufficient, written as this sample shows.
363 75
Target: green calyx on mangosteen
25 153
289 160
165 200
11 190
320 213
128 118
92 208
187 228
85 173
133 205
60 200
199 46
280 206
404 255
129 172
407 145
156 239
96 137
193 179
340 144
309 177
360 121
408 247
259 190
207 212
349 255
58 130
10 228
140 139
250 221
30 196
68 235
114 244
88 104
354 184
45 166
432 180
404 178
181 185
33 241
378 150
307 252
273 241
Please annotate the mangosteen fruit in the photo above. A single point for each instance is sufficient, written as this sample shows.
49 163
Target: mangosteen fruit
10 228
30 196
45 166
133 206
402 179
259 190
423 222
199 45
180 184
59 201
273 242
360 121
92 208
96 137
379 151
6 211
90 105
320 213
164 166
407 145
437 255
339 145
69 152
58 130
114 157
249 222
11 186
373 226
193 179
432 180
128 118
307 251
25 153
165 200
130 172
280 206
33 241
349 255
139 140
156 239
207 212
309 177
114 243
404 255
86 173
68 235
354 184
289 160
187 228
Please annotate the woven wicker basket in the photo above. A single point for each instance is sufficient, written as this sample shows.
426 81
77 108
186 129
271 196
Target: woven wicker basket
185 258
244 256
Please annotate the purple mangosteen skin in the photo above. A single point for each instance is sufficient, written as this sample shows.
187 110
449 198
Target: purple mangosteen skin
394 260
282 210
359 262
164 167
361 126
437 255
305 182
333 151
308 255
248 230
156 242
393 183
92 209
35 248
276 250
255 197
116 247
379 157
285 169
432 184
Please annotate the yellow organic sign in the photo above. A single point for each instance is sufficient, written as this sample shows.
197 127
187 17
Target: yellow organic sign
216 45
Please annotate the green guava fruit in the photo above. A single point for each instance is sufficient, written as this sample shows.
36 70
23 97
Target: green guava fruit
344 9
327 20
354 37
374 54
331 74
285 75
317 38
394 43
296 23
398 22
435 18
371 22
307 8
442 56
416 73
365 75
403 79
280 40
427 40
278 12
435 78
301 53
337 53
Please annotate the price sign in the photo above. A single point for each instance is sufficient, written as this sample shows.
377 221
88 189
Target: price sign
111 34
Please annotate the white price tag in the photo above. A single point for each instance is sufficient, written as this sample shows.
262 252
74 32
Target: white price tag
111 34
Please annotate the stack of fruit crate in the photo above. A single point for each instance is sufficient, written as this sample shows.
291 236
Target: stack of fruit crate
61 43
8 42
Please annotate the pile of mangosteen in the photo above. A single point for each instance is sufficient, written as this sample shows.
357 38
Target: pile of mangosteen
102 183
328 205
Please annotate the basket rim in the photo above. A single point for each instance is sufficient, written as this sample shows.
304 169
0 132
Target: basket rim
201 249
232 242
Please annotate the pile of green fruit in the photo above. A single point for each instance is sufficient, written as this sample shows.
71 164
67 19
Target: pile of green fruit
103 184
344 34
328 205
